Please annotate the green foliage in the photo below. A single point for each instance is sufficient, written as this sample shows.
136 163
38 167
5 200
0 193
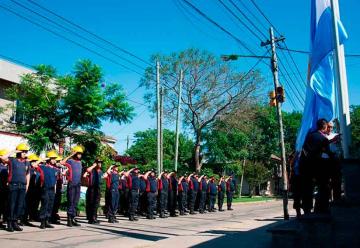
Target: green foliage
256 174
211 87
355 130
52 106
144 150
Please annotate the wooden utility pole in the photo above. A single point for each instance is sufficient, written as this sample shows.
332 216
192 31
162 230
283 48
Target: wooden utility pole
178 120
158 126
274 67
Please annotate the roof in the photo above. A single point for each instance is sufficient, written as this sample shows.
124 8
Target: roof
12 72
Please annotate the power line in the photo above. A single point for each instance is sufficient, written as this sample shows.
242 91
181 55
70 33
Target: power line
263 14
70 40
241 21
76 34
247 18
91 33
197 10
307 52
252 14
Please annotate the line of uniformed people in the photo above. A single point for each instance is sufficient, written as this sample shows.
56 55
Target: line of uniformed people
27 182
131 193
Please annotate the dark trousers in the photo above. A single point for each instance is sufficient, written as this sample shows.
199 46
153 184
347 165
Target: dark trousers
295 186
212 200
151 204
220 199
16 201
202 202
32 202
4 195
133 202
124 201
47 202
143 202
57 203
192 199
163 201
229 198
114 203
182 201
335 178
73 197
92 202
172 202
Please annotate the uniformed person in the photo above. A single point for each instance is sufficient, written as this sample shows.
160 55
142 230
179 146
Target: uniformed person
151 193
221 193
18 181
212 189
93 192
74 174
193 190
49 175
182 194
230 190
124 194
163 190
173 188
203 192
142 206
112 184
55 217
4 189
33 194
134 185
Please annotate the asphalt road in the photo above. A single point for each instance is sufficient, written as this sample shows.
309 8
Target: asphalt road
244 227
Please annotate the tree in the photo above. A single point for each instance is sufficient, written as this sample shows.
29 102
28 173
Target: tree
51 106
144 149
355 130
211 88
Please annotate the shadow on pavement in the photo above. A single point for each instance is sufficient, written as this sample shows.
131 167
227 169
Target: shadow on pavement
131 234
258 237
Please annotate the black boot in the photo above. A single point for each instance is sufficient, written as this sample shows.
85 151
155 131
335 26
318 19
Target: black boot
16 226
74 222
10 227
42 225
69 222
48 225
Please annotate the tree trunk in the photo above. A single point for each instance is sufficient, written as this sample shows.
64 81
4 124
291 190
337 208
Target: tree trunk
197 152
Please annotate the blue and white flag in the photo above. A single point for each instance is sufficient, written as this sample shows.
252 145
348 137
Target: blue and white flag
320 91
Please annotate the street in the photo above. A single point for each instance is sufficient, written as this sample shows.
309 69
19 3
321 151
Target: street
244 227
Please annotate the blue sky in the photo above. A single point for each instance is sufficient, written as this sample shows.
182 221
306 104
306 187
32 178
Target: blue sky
146 27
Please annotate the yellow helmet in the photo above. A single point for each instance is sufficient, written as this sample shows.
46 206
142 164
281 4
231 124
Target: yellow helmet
33 157
59 158
78 149
3 152
22 147
52 154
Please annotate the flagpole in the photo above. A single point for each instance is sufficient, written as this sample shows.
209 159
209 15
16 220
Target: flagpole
341 83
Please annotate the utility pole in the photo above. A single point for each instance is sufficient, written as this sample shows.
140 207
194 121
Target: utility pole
274 67
161 129
242 176
178 120
342 85
127 142
158 126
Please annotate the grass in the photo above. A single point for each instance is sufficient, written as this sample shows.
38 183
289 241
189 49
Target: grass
251 199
